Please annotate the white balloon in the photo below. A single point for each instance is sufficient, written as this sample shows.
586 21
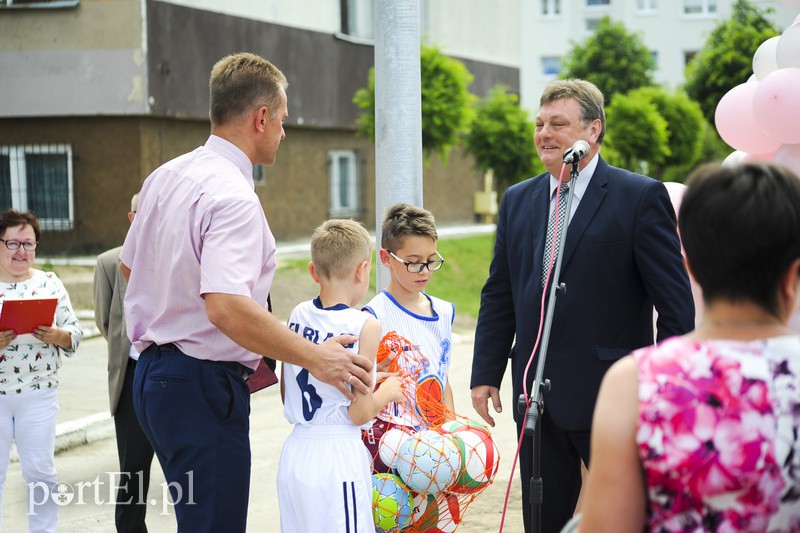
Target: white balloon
765 60
734 158
787 53
788 155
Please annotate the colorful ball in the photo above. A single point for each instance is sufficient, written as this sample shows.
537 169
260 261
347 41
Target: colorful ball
480 458
425 512
390 444
391 502
429 395
428 461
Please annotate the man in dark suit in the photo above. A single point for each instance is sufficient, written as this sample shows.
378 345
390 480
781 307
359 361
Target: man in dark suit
621 258
134 450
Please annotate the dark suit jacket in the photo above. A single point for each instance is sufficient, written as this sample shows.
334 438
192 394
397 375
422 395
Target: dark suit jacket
621 257
109 292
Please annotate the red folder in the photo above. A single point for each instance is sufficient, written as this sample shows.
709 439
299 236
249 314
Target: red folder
23 316
262 378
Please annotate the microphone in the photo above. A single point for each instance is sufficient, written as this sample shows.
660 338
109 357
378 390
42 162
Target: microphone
577 152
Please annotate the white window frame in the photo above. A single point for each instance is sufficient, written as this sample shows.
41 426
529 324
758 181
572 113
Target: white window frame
351 208
19 181
707 8
646 6
37 4
551 8
547 61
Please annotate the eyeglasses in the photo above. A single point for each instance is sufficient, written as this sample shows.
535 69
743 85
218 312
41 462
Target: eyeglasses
28 246
416 268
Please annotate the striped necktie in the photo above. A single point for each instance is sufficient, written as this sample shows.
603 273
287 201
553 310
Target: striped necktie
548 243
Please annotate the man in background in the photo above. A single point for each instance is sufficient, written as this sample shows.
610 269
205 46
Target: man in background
134 450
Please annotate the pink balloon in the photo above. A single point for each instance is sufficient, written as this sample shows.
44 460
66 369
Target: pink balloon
750 158
787 53
776 105
796 20
788 156
736 122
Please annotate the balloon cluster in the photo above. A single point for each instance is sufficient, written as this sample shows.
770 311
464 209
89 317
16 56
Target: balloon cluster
761 118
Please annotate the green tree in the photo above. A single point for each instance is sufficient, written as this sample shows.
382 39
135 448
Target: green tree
636 134
685 127
726 60
446 102
501 138
611 58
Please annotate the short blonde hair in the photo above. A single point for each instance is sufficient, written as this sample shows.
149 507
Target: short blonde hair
240 82
403 220
338 246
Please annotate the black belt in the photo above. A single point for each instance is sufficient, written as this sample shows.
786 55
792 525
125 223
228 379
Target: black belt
239 368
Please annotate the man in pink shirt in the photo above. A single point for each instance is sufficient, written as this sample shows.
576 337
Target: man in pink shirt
200 259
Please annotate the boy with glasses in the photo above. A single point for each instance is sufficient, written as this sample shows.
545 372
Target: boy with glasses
409 240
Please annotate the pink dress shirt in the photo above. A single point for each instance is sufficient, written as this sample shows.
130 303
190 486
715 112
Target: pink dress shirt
199 229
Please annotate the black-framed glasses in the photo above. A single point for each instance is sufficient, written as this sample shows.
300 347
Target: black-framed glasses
28 246
416 268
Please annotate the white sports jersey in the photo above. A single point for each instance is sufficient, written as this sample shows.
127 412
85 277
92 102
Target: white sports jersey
306 399
430 334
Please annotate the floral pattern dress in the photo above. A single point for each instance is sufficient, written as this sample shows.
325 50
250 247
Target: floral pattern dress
27 366
718 434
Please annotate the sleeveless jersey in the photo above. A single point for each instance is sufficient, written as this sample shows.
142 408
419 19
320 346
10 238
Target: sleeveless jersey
307 400
430 334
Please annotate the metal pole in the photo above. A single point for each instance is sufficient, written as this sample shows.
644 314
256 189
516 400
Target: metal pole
398 111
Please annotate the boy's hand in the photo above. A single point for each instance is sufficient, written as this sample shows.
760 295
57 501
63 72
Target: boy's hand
339 367
393 388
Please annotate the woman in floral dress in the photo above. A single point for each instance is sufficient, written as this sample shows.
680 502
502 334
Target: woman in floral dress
28 368
700 433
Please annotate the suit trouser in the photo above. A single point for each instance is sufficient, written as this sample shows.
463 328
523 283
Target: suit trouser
135 457
560 466
196 415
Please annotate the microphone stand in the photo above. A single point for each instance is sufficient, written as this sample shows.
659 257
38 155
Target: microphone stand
540 386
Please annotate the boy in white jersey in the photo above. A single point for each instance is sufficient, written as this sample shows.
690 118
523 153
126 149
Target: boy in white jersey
409 241
324 475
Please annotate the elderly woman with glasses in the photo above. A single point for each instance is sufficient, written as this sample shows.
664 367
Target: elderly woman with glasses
29 363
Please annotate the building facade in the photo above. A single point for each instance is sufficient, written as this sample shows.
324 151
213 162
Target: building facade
98 93
673 30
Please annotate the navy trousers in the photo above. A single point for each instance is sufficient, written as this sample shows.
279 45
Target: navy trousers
560 464
196 414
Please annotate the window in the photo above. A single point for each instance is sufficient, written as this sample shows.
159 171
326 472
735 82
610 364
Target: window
699 7
39 179
551 7
551 67
654 55
22 4
688 56
598 2
646 6
345 184
357 18
591 25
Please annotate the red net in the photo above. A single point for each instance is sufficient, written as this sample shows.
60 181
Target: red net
429 463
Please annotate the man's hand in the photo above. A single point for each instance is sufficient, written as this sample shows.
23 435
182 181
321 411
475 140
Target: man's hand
339 367
480 401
